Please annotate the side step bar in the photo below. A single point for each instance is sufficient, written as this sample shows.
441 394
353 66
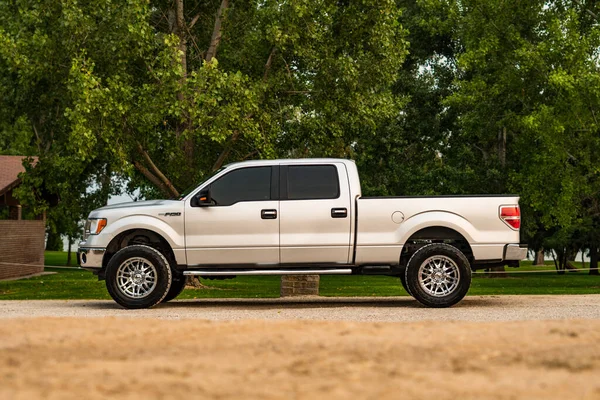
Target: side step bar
217 272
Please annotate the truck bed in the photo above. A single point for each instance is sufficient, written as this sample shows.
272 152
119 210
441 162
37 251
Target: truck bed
384 224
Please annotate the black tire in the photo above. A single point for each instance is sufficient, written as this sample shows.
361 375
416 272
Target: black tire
460 273
177 286
126 258
403 281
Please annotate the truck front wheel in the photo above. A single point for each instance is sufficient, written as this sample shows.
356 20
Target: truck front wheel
438 275
138 277
177 286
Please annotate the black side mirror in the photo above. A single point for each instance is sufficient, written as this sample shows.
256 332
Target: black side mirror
202 198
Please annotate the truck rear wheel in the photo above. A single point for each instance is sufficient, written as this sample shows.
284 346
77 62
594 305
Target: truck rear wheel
438 275
403 281
138 277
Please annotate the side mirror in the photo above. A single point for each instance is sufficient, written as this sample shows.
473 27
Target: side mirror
202 198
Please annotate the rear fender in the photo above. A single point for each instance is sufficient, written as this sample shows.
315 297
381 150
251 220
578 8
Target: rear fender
435 218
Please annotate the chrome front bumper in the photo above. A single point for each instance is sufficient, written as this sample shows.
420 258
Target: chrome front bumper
90 257
515 252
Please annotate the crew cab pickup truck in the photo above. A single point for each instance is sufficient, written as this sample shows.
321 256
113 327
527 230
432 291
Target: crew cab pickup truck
295 217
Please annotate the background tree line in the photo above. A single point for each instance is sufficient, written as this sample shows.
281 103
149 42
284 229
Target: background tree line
428 96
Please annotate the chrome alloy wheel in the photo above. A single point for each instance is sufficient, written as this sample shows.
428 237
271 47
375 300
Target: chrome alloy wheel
439 276
136 277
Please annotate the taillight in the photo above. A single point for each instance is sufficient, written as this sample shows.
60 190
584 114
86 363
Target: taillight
511 215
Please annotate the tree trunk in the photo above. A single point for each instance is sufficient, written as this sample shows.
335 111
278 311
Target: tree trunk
559 260
562 261
570 260
594 260
502 146
69 251
539 257
215 39
180 28
105 181
194 281
497 272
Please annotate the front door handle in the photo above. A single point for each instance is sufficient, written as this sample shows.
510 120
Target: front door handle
339 212
268 214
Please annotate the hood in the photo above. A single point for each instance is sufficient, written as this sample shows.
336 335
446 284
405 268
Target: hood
139 204
151 207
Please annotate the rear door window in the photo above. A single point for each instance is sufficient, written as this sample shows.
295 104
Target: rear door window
307 182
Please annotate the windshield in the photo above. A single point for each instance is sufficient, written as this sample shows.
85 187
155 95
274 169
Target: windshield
194 186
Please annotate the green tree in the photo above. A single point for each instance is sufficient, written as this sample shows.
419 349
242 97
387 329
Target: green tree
527 101
269 79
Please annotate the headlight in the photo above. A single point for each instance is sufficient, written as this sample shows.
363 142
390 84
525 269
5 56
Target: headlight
94 226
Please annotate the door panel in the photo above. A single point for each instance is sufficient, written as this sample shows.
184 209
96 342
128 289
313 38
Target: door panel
235 234
242 225
313 230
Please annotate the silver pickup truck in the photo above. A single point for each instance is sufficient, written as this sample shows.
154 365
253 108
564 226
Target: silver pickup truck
306 216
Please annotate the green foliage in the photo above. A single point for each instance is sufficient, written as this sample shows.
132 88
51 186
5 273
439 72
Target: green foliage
429 97
53 241
511 93
289 78
104 92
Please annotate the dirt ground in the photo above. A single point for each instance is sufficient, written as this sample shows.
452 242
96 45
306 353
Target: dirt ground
125 358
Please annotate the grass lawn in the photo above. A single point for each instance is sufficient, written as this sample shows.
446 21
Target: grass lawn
59 258
79 284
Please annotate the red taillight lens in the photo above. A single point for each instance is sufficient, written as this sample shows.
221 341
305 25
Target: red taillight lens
511 215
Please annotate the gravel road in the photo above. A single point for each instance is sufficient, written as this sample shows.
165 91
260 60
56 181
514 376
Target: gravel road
385 309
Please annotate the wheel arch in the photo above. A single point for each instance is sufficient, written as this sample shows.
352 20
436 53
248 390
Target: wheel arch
435 234
139 236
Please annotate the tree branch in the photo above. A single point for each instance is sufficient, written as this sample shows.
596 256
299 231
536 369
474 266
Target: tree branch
483 152
216 35
151 178
301 91
268 64
226 151
593 14
193 21
39 140
251 154
157 172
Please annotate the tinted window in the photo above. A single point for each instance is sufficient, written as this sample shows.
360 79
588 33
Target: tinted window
312 182
247 184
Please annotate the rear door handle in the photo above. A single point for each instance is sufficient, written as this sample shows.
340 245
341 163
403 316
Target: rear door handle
268 214
339 212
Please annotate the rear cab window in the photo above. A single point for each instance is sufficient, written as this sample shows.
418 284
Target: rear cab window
312 182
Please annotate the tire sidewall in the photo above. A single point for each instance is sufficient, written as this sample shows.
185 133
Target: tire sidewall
177 286
403 281
412 275
163 276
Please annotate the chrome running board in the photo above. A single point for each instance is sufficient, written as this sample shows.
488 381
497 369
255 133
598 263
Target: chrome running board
217 272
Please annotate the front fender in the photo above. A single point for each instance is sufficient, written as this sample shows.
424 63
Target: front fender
175 237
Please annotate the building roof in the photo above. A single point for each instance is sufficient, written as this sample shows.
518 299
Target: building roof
10 168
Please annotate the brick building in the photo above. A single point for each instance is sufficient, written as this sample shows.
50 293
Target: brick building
21 240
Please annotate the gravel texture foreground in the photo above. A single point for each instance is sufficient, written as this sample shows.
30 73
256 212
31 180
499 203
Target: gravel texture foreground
383 309
535 347
93 358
